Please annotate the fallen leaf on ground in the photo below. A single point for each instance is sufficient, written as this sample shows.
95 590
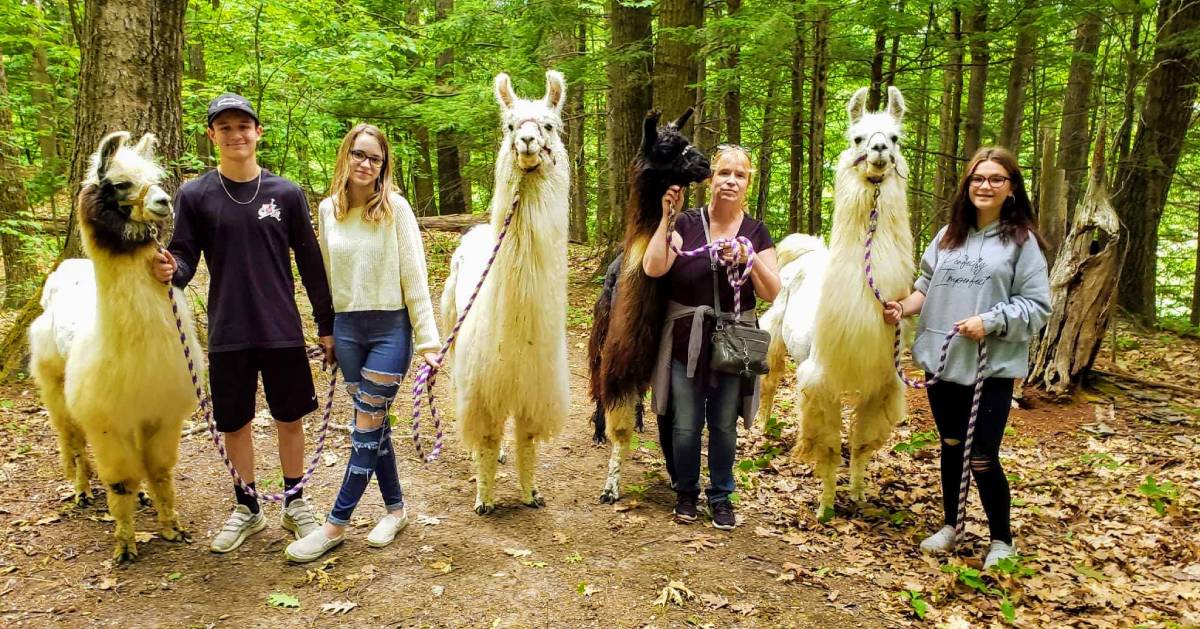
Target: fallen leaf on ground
675 593
518 552
338 607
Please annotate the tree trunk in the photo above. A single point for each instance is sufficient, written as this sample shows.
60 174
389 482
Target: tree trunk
130 78
198 72
1081 289
796 125
1195 318
702 134
629 98
1132 70
1018 80
19 267
973 122
1142 181
875 93
424 202
603 169
764 153
42 98
816 117
733 97
1073 140
1052 199
566 42
920 168
450 180
946 177
675 60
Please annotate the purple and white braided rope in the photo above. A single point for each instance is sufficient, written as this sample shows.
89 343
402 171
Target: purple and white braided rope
206 409
736 278
427 375
980 367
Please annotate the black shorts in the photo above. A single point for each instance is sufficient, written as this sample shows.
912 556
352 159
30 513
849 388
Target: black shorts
233 380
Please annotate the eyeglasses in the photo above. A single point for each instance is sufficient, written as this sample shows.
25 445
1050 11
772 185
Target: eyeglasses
994 181
359 157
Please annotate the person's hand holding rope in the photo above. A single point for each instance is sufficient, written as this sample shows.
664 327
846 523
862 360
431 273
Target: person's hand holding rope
972 328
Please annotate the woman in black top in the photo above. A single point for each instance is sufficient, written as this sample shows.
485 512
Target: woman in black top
696 394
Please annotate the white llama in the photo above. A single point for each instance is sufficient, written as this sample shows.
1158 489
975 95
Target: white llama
851 345
511 353
106 349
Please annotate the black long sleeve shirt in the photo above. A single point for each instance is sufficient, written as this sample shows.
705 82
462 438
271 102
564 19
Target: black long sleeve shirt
251 296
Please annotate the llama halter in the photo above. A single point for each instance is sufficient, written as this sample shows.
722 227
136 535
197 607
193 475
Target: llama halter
980 367
206 408
427 375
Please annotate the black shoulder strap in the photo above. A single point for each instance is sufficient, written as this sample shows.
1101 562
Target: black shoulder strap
712 262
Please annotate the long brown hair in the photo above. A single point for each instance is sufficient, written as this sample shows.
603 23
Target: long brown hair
378 207
1016 215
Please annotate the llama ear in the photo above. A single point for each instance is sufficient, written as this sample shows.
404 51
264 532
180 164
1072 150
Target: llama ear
678 124
556 90
650 130
504 91
895 105
145 146
857 105
108 148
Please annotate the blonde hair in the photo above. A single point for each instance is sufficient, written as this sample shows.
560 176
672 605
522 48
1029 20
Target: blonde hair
378 207
733 151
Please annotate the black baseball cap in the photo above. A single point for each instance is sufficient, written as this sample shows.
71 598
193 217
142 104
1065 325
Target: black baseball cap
228 101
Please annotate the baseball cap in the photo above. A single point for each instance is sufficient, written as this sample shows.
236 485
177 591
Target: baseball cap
228 101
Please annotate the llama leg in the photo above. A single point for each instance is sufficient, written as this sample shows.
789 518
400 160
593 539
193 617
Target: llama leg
820 436
526 466
874 418
776 360
72 444
599 424
162 453
122 502
619 429
485 474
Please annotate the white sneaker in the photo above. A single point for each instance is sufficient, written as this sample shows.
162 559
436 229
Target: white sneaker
941 542
240 525
999 550
299 518
312 546
384 532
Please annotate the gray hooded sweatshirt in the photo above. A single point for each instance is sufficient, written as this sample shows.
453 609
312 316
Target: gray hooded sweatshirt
1004 283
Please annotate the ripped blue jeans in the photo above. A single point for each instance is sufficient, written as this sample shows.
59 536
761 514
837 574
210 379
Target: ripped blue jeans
373 348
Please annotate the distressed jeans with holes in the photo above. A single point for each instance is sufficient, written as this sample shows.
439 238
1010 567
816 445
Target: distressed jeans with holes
951 406
373 349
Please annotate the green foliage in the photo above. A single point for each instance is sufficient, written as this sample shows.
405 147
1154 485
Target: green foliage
1160 494
919 605
918 440
283 601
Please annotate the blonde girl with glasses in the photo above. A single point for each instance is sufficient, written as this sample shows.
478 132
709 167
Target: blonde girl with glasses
376 266
985 273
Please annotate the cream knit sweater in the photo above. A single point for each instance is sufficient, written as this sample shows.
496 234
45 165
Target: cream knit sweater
361 257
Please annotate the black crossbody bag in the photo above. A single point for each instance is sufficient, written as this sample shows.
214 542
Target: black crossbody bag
738 347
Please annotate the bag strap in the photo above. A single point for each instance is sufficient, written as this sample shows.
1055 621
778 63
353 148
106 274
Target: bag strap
712 263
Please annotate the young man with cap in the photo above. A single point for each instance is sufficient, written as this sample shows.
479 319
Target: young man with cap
244 219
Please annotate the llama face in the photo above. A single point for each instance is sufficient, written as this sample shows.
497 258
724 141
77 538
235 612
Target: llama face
126 201
531 127
669 155
875 137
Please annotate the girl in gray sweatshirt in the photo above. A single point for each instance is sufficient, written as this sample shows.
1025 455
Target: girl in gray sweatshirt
984 273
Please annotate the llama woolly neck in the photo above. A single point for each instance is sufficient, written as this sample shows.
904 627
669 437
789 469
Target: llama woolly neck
855 197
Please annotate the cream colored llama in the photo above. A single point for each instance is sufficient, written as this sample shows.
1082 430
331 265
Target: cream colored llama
511 354
851 344
106 350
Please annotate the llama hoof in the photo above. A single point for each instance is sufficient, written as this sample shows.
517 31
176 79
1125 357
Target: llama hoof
502 458
125 553
609 496
484 509
83 500
599 440
536 501
174 534
824 514
144 500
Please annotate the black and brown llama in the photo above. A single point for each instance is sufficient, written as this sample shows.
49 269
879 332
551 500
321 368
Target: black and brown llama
629 315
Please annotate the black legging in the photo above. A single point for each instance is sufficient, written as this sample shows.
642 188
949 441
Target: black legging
951 406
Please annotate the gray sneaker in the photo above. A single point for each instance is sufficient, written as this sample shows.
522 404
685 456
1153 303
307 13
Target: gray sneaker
939 543
240 525
998 550
298 518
